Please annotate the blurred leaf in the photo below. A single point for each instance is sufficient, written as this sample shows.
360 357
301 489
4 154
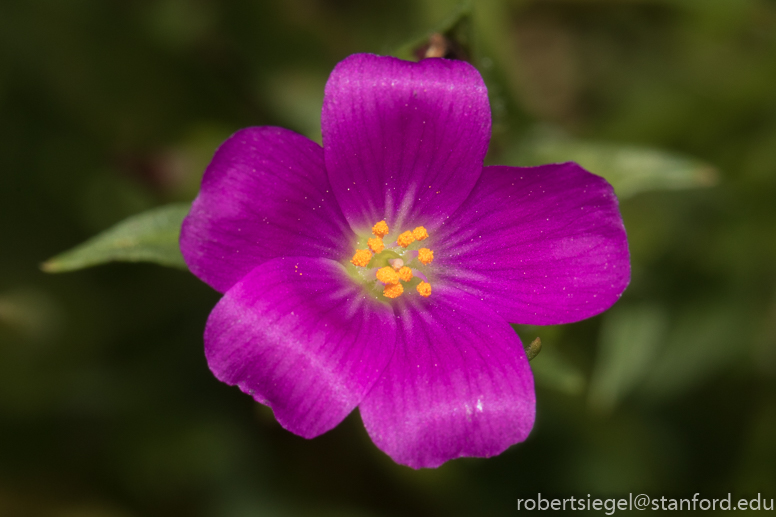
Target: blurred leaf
756 472
176 171
456 30
765 342
552 370
704 341
148 237
34 314
295 96
107 198
629 340
630 169
179 24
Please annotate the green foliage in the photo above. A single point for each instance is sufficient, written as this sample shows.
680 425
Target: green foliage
148 237
553 370
456 29
110 108
628 343
630 169
703 341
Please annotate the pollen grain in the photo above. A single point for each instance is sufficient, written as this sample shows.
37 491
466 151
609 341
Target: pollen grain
375 244
387 275
361 258
420 233
425 255
380 229
393 290
424 288
405 274
405 239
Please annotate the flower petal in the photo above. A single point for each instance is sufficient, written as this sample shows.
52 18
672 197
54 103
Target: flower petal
540 245
264 195
458 384
403 141
301 337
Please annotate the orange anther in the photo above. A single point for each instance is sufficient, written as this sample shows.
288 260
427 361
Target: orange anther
424 288
405 274
361 258
405 239
420 233
393 290
425 255
375 244
387 275
380 229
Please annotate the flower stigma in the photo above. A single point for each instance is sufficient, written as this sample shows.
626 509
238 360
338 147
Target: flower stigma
387 267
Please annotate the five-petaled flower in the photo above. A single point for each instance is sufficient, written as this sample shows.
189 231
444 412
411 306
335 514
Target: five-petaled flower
380 271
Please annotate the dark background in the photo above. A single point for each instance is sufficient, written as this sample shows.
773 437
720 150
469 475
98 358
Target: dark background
108 108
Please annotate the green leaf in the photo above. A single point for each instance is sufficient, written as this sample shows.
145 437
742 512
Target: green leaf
456 30
704 339
630 169
148 237
629 341
296 97
553 370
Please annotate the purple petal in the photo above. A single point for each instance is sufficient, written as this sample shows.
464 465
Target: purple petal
458 384
540 245
403 141
301 337
264 195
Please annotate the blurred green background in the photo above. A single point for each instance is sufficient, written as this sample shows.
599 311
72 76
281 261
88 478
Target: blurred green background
107 407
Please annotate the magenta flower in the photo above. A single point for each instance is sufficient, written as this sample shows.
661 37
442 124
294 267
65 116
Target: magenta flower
381 271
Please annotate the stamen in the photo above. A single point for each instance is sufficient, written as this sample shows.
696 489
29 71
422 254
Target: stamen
420 233
375 244
387 276
425 255
393 290
361 258
392 259
380 229
405 239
